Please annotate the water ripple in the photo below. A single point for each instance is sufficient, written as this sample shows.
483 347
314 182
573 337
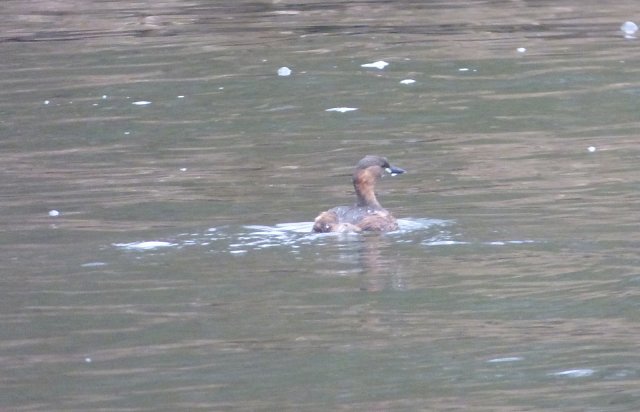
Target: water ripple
242 239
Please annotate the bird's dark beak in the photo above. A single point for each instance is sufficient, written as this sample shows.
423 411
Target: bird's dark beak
392 170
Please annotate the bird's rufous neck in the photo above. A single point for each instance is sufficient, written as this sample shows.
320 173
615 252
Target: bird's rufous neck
364 183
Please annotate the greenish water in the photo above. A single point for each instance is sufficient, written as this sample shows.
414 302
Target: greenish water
179 273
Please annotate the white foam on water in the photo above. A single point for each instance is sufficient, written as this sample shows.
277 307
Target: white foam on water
341 109
504 360
144 245
574 373
380 64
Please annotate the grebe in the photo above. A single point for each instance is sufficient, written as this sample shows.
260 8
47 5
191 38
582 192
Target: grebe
367 214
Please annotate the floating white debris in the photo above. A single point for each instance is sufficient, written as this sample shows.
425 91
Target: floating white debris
407 81
94 104
341 109
104 97
88 360
181 97
380 64
54 213
46 102
629 29
521 49
183 169
147 245
591 149
141 103
284 71
575 373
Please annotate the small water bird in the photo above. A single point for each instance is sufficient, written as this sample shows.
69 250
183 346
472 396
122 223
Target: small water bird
367 214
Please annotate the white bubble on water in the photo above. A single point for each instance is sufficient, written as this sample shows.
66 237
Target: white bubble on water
284 71
629 29
54 213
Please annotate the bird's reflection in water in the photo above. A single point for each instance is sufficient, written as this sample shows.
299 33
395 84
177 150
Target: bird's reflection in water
379 267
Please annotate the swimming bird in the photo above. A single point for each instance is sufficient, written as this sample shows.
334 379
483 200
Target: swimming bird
367 214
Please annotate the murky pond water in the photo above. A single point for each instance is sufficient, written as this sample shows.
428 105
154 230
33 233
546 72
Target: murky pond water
159 179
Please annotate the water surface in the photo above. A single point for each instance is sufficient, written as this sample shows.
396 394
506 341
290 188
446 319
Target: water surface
179 272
